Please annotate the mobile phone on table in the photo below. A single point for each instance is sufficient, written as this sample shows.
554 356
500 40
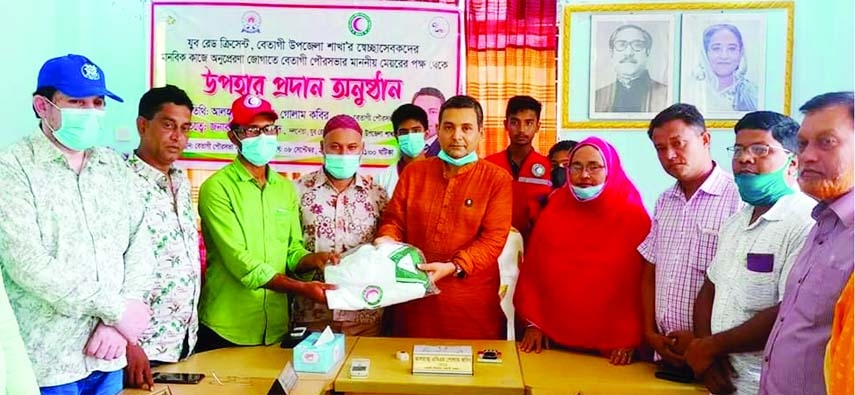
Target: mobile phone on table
178 378
293 338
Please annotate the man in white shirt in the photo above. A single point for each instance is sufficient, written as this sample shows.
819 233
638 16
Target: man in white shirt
738 303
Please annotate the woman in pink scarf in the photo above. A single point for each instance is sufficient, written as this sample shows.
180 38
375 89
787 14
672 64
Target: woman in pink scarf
579 285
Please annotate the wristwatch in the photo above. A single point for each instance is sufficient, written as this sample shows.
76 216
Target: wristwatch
458 271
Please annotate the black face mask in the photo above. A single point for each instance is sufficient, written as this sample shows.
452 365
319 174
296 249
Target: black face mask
558 177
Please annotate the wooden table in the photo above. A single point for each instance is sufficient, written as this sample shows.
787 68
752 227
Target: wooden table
554 372
245 371
388 375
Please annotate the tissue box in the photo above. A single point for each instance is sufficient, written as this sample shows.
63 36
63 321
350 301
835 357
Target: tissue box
310 358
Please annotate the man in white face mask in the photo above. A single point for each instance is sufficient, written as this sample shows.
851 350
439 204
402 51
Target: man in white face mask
74 251
339 210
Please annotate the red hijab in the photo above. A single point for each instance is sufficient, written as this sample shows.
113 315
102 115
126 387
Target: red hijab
580 282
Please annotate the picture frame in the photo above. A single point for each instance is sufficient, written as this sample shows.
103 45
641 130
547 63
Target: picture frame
723 63
632 58
577 82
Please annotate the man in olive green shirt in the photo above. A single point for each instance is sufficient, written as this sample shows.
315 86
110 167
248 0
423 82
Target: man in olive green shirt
251 226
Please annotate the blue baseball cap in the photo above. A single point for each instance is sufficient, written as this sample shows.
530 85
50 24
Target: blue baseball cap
75 76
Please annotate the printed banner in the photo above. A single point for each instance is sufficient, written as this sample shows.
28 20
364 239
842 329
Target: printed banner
312 61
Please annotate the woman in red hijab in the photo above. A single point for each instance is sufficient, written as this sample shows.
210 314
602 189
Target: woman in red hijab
579 285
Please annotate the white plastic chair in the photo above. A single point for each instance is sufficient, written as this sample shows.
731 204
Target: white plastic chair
509 261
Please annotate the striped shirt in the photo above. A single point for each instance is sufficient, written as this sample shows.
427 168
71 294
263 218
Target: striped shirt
682 243
795 352
750 269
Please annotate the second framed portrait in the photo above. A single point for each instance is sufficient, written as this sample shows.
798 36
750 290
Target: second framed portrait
632 58
724 63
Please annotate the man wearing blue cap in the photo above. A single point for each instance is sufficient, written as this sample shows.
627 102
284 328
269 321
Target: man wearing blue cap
74 252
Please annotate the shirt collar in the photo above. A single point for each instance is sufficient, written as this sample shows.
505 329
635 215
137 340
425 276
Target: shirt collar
842 207
780 210
715 184
461 170
149 173
632 81
319 179
44 150
243 174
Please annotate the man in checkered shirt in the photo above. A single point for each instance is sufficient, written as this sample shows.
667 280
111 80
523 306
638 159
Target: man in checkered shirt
684 234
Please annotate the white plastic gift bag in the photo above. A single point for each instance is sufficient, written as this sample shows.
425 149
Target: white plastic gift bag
371 277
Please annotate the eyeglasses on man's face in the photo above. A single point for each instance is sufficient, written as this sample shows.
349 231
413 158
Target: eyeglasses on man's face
255 131
636 45
756 150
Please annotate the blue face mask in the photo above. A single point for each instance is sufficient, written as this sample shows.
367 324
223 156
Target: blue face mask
763 189
81 128
341 167
469 158
411 144
588 193
259 150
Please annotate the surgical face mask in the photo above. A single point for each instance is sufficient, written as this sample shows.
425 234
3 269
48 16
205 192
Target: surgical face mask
411 144
80 128
259 150
764 189
469 158
558 176
588 193
341 167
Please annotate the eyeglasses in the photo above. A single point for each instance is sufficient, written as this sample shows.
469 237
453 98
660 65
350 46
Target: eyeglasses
253 131
757 150
637 45
592 168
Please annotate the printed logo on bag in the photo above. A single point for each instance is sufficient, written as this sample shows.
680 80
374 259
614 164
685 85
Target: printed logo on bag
372 295
310 357
359 24
251 22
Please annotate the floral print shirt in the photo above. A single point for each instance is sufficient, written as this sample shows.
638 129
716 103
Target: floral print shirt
336 222
73 248
174 297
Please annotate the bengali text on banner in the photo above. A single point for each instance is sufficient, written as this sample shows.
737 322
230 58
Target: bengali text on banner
312 61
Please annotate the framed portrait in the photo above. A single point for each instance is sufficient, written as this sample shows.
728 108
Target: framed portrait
632 60
723 68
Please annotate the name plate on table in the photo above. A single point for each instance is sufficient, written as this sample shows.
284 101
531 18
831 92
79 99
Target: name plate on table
442 359
286 381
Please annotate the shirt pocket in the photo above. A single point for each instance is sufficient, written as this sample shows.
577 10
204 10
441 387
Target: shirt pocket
824 289
757 291
702 249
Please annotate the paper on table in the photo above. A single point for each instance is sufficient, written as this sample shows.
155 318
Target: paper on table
325 337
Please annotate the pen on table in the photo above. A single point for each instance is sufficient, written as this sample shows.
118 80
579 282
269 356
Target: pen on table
217 379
